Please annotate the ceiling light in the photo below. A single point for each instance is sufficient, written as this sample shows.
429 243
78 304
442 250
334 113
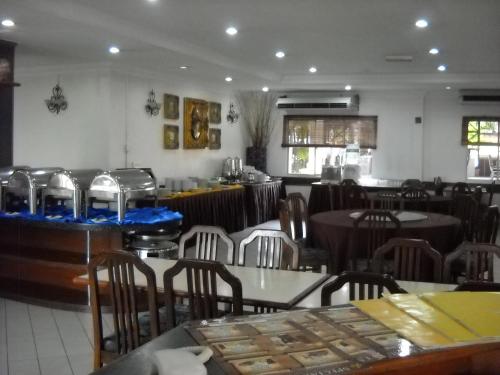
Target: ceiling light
152 1
280 54
8 23
433 51
442 68
448 88
228 79
348 87
114 50
422 24
313 69
231 31
265 89
184 67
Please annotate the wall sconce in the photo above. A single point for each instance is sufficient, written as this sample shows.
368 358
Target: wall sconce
57 101
232 115
152 107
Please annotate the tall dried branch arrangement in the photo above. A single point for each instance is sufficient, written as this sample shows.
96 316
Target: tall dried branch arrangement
258 113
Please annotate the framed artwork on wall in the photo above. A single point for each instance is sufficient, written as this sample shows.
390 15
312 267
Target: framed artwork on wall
195 123
170 137
214 110
214 136
171 106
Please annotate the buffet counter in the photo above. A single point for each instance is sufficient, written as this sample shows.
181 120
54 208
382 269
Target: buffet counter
40 258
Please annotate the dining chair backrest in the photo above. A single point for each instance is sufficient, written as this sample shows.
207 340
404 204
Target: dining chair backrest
369 286
348 182
478 261
372 225
460 188
414 198
411 183
201 279
353 197
208 241
478 286
298 218
387 200
486 231
124 298
465 208
275 250
405 256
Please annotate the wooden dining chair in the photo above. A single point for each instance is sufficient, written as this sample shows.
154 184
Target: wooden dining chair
208 241
354 197
411 183
487 228
201 280
124 298
460 188
294 221
369 286
370 231
271 250
465 208
475 259
387 200
478 286
415 199
348 182
402 258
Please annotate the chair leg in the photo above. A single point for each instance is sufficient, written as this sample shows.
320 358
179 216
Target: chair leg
97 359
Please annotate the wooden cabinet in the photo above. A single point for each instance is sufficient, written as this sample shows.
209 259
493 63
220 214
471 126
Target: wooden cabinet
6 101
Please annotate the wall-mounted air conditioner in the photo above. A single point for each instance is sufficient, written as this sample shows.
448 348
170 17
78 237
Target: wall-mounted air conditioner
310 103
480 96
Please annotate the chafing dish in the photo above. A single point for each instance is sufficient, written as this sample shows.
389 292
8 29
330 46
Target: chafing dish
70 185
5 173
122 186
28 184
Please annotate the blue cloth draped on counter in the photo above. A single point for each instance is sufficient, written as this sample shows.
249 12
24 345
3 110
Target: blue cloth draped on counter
61 214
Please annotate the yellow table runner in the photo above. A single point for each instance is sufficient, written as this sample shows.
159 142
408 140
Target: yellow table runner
200 191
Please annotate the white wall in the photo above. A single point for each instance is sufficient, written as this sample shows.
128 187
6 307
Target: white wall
105 117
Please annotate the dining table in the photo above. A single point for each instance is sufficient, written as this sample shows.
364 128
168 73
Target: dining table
262 287
333 231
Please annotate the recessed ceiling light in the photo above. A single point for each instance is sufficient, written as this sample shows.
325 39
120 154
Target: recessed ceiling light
313 69
348 87
279 54
448 88
8 23
265 89
184 67
422 24
231 31
434 51
442 68
228 79
114 50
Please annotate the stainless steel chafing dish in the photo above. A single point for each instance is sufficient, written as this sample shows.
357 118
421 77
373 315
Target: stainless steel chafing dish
70 185
5 173
27 184
122 186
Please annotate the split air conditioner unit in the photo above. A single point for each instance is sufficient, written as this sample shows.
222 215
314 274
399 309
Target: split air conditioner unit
480 96
322 103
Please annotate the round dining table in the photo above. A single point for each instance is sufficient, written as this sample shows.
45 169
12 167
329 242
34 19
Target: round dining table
333 231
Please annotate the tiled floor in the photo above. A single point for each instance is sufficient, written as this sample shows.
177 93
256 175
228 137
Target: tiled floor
39 340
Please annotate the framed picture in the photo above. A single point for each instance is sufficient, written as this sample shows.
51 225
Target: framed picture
195 123
214 139
171 106
170 137
214 110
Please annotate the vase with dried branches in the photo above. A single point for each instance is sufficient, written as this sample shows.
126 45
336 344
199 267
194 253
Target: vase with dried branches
258 113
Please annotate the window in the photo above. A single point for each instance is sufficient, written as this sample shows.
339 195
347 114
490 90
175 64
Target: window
482 138
311 139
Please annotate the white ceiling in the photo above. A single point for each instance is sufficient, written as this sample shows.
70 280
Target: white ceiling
346 39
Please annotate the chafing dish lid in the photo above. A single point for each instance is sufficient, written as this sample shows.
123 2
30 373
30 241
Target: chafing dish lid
74 179
35 177
123 180
6 172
